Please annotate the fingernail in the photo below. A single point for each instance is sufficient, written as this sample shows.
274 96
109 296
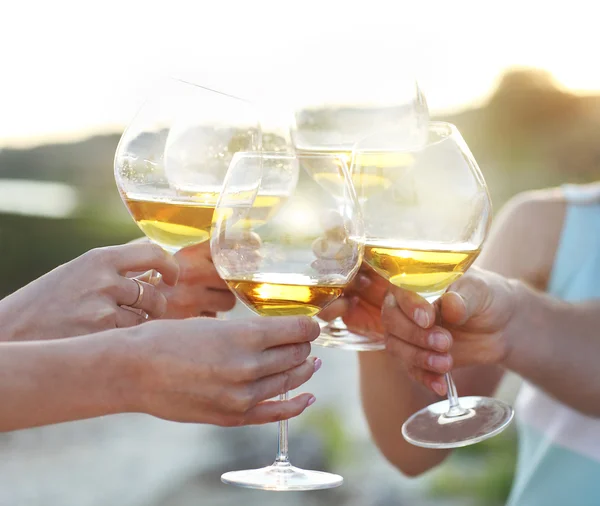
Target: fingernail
311 401
390 300
363 281
439 341
438 388
421 318
440 364
318 364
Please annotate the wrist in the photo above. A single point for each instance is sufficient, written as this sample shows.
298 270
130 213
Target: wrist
106 376
123 371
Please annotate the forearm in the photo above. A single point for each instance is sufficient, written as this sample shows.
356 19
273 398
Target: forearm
55 381
555 345
389 397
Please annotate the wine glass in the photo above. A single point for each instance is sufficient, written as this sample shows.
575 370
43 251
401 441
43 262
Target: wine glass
422 232
334 123
295 262
172 159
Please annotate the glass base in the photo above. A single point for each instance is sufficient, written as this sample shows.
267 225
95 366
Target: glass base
335 334
480 418
282 477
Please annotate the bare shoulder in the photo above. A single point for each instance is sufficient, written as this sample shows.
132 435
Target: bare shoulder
525 236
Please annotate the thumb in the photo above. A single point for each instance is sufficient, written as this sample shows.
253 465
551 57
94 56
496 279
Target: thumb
466 299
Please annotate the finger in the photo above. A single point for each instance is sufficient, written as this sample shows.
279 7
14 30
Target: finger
200 299
127 317
140 295
280 359
400 328
266 333
275 411
370 287
195 264
466 298
337 308
414 306
140 257
432 381
414 357
269 387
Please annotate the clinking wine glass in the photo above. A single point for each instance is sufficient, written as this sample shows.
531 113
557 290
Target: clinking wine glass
334 121
422 232
172 159
295 263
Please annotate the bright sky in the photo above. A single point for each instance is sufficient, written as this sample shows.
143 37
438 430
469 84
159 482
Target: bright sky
70 68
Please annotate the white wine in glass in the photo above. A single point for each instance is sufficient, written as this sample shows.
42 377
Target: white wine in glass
335 123
422 233
171 160
296 263
424 271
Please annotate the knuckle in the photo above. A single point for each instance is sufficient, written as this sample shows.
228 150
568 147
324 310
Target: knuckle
421 358
305 326
244 400
250 370
231 401
300 352
106 316
255 330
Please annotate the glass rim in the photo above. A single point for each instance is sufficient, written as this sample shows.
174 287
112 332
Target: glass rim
444 129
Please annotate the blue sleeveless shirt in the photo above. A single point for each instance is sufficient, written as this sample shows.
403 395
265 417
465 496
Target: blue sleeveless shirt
559 448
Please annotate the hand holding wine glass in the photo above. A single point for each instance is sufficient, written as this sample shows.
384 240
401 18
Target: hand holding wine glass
295 263
422 233
90 294
476 313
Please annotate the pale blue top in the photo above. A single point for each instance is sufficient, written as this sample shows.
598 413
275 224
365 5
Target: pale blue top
559 448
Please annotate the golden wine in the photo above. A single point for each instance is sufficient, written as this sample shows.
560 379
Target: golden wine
175 223
427 272
267 298
171 223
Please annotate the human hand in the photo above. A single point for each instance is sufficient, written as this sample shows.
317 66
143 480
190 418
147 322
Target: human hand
476 314
199 290
203 370
360 306
89 294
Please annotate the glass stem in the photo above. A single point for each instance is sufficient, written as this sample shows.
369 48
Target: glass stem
282 447
455 408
